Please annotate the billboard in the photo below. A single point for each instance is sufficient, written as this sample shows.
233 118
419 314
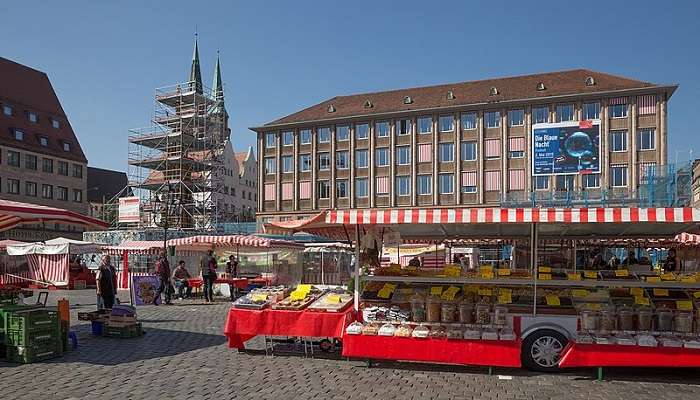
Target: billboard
566 148
129 209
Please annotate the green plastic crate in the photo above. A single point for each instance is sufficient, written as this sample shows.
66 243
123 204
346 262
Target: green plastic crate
11 308
30 354
31 338
130 331
31 320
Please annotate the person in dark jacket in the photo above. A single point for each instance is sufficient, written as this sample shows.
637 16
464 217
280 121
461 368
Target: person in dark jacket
106 284
163 274
232 270
208 268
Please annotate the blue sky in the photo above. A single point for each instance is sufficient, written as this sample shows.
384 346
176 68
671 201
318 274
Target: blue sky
105 59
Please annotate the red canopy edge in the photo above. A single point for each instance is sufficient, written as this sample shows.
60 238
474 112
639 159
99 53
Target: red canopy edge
235 240
13 213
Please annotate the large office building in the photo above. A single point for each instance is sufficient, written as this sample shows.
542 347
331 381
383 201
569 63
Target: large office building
477 144
41 161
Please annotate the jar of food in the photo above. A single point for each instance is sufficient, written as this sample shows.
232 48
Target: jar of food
448 311
466 313
483 314
625 319
417 309
500 315
664 320
608 320
590 320
433 309
644 318
683 322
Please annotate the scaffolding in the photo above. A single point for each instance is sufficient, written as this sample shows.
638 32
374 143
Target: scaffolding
180 157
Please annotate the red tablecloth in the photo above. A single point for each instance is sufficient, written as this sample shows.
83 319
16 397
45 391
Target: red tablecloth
240 283
464 352
600 355
242 325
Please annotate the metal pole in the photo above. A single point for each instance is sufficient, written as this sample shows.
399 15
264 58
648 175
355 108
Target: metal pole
575 251
356 294
322 278
535 268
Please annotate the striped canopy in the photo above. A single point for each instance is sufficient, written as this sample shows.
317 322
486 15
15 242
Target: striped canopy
13 213
249 241
136 247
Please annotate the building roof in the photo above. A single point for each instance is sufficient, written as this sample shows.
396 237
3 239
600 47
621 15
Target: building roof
562 83
103 184
26 89
244 156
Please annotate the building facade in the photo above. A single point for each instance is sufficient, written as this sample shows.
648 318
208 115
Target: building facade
103 186
41 161
469 144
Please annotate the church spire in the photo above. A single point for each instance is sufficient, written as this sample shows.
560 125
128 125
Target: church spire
217 86
195 73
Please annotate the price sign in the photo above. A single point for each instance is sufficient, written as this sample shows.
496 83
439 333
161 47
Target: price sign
450 293
688 279
641 300
553 300
505 298
390 286
622 273
696 295
654 279
258 297
684 305
333 298
485 292
471 289
590 274
660 292
580 293
669 276
593 306
486 268
503 272
487 274
544 269
545 277
436 290
573 276
384 293
637 292
452 270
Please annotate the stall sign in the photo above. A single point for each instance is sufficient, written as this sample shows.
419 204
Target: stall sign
129 209
145 289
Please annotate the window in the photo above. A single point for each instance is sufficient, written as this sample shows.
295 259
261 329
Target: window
590 180
447 123
62 168
287 164
7 110
270 165
403 185
342 133
469 121
30 189
493 148
32 117
361 131
341 188
77 171
30 161
361 187
47 166
19 135
468 151
424 183
382 129
361 158
645 139
591 111
618 111
270 140
342 160
288 138
618 141
618 175
55 123
381 187
516 154
565 112
403 155
44 141
403 127
446 183
13 158
324 135
469 182
305 136
564 182
540 115
47 191
13 186
516 117
493 119
78 195
447 152
305 162
541 182
324 189
382 155
61 193
425 124
324 161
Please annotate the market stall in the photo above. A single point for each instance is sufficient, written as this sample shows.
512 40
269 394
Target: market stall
327 263
539 307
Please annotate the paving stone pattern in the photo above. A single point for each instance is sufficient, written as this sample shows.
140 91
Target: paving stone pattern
184 356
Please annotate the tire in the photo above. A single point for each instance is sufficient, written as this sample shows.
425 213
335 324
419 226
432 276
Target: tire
326 346
541 350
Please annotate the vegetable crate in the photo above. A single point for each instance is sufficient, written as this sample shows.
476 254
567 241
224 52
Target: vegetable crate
27 338
129 331
34 353
32 320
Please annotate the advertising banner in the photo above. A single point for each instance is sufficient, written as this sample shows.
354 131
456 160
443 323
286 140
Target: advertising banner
145 288
566 148
129 209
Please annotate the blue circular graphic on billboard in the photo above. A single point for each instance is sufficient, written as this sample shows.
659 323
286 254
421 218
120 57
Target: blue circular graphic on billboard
578 145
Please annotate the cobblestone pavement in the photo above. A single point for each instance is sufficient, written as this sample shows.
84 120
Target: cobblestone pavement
184 356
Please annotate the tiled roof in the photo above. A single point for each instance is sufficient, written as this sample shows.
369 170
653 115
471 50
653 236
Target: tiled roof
26 89
104 183
465 93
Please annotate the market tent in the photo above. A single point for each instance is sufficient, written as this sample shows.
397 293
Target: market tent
13 213
239 241
152 247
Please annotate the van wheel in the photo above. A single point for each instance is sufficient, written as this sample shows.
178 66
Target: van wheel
542 349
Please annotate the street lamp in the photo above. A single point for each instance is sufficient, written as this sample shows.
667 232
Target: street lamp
164 206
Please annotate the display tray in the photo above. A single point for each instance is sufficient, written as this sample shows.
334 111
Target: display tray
323 305
287 305
612 355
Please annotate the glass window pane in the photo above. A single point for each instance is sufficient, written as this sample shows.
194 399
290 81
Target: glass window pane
469 121
324 135
540 115
287 138
403 187
342 132
516 117
403 155
382 129
382 155
361 131
446 183
446 152
468 151
425 124
493 119
361 187
361 159
305 136
447 123
425 184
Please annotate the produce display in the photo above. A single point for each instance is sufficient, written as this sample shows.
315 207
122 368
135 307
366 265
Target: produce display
332 301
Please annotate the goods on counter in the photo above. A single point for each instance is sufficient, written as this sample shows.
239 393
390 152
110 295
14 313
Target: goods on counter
489 334
483 314
354 329
506 334
421 331
404 330
670 342
454 333
387 330
590 320
438 332
417 309
254 300
378 313
448 312
625 319
298 299
333 301
472 334
466 313
500 315
370 329
683 322
646 341
608 320
625 340
644 319
664 320
433 309
691 344
603 340
585 338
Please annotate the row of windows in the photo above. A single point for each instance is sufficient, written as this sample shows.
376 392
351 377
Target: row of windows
232 191
646 140
446 123
14 159
32 117
13 186
43 140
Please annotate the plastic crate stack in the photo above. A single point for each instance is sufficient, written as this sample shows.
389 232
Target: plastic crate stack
119 322
31 333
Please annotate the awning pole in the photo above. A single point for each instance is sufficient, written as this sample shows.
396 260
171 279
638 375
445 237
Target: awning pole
322 280
535 268
356 291
575 251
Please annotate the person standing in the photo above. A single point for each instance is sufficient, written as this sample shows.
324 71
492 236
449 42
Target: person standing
106 284
180 277
232 270
163 274
208 268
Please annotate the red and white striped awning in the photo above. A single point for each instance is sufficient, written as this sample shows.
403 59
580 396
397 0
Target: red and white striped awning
13 213
688 238
235 241
5 243
136 247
